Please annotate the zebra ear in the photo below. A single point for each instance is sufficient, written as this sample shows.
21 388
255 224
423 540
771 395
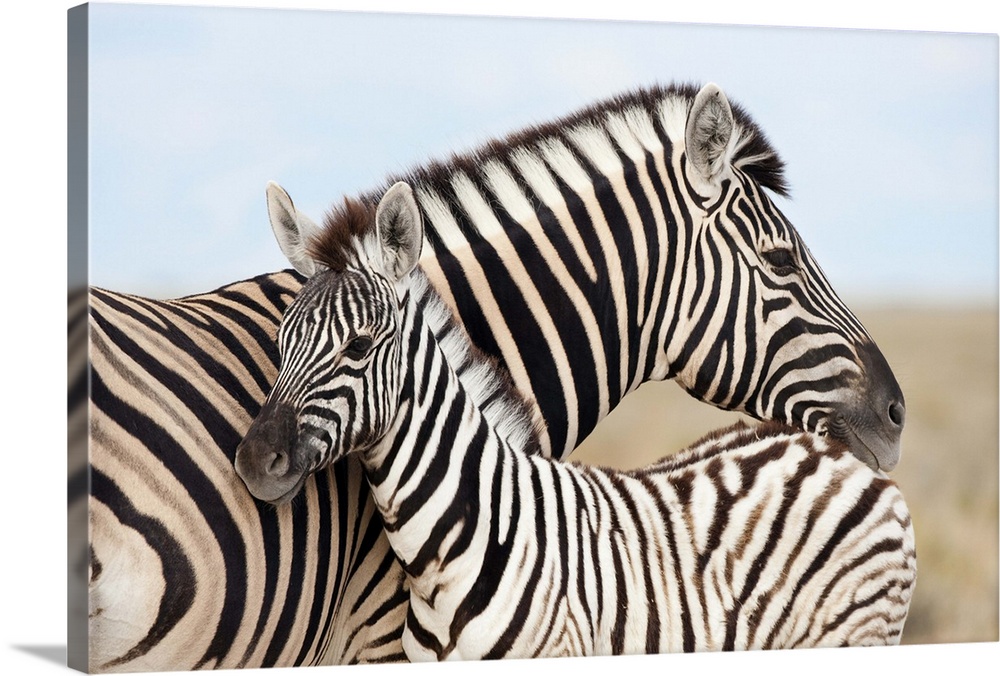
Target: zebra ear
291 228
707 134
400 231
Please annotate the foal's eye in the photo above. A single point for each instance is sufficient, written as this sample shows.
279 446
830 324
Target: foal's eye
358 347
781 261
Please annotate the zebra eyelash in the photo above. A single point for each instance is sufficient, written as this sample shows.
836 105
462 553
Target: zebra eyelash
358 347
782 261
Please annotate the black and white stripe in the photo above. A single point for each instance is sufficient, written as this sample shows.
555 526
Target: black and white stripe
765 537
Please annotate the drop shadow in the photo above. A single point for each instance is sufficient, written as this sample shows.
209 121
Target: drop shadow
50 653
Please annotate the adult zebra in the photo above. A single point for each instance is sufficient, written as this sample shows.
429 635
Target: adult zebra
754 538
557 298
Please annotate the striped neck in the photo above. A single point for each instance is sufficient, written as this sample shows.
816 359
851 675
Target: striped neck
455 407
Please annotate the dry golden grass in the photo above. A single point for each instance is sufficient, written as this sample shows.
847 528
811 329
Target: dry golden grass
947 364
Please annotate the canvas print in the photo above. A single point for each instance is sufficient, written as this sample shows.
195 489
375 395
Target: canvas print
401 338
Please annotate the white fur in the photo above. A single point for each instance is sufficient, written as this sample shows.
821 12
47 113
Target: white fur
533 170
479 377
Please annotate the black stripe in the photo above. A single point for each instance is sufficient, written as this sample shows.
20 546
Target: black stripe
641 549
857 515
324 535
464 507
296 570
180 582
657 248
490 578
678 261
562 562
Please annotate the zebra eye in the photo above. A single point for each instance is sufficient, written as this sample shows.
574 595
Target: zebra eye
781 260
358 347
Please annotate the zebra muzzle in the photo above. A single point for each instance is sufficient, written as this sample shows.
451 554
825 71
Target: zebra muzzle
873 425
265 458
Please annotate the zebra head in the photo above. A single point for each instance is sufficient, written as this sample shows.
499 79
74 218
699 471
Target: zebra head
337 387
760 329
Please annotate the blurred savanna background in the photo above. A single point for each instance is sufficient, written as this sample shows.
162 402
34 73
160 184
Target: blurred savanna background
890 141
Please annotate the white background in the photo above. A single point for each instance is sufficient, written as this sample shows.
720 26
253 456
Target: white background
32 159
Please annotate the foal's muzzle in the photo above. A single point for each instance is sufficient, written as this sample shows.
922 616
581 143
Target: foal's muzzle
265 459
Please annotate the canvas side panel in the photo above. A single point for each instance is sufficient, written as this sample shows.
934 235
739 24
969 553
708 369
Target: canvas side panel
77 340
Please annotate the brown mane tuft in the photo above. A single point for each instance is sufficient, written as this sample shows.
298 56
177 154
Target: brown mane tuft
335 246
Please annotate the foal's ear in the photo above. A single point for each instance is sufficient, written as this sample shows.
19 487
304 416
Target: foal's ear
400 231
292 229
706 136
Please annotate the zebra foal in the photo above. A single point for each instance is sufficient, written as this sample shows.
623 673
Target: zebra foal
764 537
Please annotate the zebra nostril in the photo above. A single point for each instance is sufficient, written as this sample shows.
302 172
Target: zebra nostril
277 465
897 413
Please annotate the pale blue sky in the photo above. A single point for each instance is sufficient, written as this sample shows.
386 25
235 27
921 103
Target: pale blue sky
890 138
